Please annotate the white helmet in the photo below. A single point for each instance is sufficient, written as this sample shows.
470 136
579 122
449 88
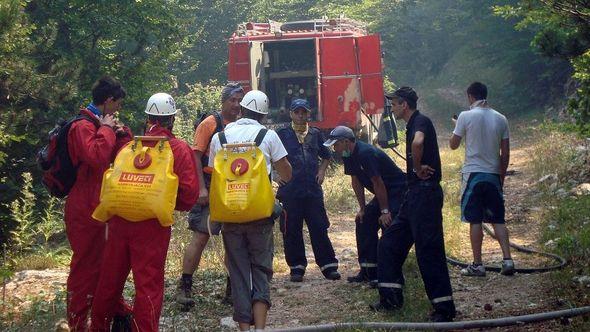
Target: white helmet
255 101
161 104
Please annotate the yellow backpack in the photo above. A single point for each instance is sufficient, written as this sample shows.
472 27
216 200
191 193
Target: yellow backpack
140 184
240 187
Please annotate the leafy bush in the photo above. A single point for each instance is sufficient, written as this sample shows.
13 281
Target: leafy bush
566 217
30 244
200 98
23 237
561 155
579 105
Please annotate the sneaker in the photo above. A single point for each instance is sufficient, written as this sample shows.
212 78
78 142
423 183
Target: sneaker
473 270
296 278
334 275
121 323
507 267
439 317
359 277
227 297
184 293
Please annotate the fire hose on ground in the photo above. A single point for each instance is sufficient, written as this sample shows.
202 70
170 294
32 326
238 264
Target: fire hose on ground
461 325
469 324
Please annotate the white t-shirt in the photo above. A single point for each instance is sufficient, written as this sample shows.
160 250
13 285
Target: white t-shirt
483 130
245 130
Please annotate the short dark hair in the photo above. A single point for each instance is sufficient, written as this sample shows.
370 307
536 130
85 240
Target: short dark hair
248 114
105 88
407 94
164 121
478 90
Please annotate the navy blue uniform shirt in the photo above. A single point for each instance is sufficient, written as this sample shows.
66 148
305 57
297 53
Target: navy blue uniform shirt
430 155
367 161
305 160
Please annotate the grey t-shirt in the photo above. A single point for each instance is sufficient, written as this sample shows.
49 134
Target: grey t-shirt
483 130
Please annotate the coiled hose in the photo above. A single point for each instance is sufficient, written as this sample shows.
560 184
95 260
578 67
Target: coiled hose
561 262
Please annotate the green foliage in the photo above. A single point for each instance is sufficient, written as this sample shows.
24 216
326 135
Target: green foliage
566 232
23 237
51 52
562 30
199 98
579 104
566 218
570 229
566 159
52 221
30 241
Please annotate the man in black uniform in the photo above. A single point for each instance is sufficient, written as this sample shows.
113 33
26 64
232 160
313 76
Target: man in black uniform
370 168
303 198
419 220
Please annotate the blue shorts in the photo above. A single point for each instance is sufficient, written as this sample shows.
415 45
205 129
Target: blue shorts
482 199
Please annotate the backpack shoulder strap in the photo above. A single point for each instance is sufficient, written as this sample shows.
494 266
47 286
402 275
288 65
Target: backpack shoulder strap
260 136
218 121
83 116
218 127
222 138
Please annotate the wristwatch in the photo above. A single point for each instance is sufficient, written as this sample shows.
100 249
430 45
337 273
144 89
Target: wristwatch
384 211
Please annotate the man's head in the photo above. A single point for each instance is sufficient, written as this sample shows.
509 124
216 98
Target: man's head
342 140
231 96
477 91
108 94
299 111
403 101
161 110
254 105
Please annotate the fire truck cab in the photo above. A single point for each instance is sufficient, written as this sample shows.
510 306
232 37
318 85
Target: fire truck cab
334 64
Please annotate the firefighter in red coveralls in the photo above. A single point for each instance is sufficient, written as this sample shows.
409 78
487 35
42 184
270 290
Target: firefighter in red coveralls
92 145
141 247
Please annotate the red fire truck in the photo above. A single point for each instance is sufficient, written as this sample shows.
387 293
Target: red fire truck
334 64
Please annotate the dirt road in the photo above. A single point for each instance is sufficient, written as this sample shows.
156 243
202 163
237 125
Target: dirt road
317 300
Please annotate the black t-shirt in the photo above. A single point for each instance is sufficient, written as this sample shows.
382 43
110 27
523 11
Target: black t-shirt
367 161
430 155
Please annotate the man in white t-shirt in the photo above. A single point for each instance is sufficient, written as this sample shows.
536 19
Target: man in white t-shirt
487 153
249 246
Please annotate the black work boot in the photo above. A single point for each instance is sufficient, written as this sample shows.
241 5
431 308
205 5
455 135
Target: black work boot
296 277
227 297
441 317
443 312
184 292
359 277
333 275
121 323
388 304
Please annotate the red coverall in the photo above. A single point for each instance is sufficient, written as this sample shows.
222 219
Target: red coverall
92 148
142 247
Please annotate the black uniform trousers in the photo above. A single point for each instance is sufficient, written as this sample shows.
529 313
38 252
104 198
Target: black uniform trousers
311 210
367 235
418 223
